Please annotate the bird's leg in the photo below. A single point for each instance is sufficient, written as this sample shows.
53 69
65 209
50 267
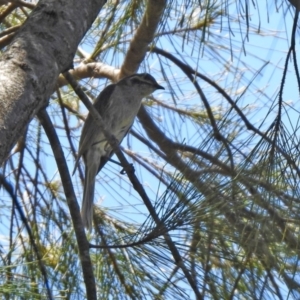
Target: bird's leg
123 171
130 169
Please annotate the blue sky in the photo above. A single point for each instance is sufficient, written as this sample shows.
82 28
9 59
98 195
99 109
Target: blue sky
266 52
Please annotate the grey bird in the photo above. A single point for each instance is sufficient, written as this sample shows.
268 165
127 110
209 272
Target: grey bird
118 105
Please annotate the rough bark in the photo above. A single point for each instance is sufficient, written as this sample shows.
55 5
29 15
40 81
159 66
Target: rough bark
43 48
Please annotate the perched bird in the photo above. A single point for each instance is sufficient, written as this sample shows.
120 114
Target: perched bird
118 104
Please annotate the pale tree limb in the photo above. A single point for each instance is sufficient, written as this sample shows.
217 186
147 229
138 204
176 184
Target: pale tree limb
90 70
143 37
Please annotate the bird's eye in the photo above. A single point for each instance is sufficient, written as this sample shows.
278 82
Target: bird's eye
148 77
136 80
142 79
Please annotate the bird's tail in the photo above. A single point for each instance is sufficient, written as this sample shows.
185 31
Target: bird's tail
88 196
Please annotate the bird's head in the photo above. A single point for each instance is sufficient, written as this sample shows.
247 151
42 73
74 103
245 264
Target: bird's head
143 83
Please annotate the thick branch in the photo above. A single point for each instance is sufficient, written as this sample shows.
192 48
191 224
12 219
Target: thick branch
90 70
42 48
296 4
143 37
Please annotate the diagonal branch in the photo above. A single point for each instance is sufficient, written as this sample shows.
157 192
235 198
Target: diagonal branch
143 37
135 183
82 241
188 70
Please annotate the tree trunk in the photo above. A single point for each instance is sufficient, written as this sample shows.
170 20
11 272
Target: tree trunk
43 48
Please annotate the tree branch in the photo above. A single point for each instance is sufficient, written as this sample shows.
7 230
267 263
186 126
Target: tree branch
42 48
10 191
143 37
90 70
82 241
135 182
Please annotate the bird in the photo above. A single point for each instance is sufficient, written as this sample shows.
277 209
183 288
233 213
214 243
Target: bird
118 105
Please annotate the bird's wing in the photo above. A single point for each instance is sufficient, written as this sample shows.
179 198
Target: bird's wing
121 134
101 104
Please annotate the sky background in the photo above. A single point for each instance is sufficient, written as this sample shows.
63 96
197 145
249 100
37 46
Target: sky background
257 82
262 60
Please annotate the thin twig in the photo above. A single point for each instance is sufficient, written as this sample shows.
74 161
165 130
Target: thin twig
82 241
8 187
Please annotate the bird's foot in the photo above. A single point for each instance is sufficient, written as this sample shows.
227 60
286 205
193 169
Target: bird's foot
130 169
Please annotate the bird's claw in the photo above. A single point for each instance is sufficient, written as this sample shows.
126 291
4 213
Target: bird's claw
130 169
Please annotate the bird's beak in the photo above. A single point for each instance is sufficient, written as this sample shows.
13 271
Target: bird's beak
159 87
